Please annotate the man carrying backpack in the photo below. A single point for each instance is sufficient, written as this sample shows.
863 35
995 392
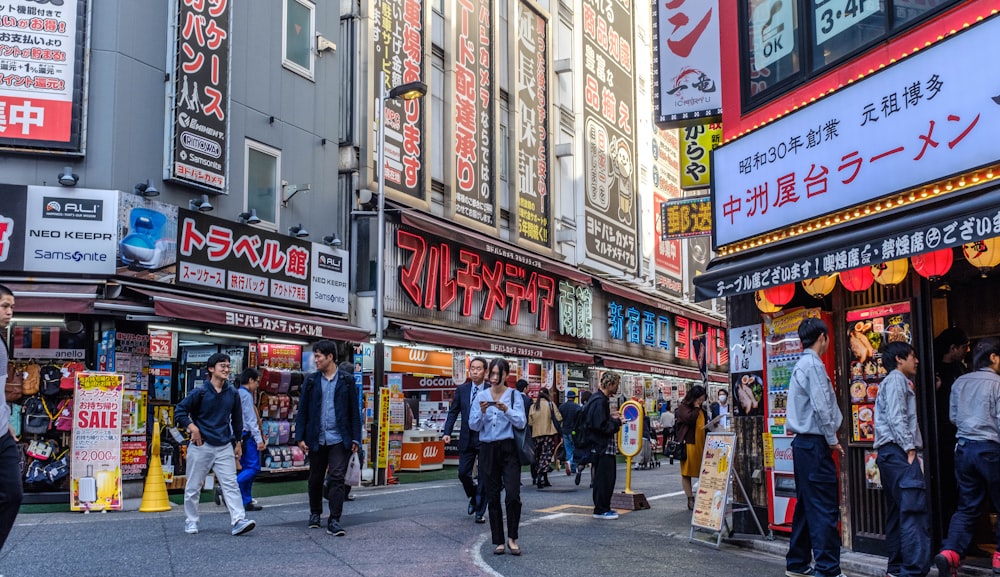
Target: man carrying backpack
211 413
570 412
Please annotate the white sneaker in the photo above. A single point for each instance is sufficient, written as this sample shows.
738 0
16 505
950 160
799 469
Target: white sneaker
190 527
243 526
611 515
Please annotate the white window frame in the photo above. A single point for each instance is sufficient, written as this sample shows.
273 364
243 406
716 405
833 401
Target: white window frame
270 151
285 62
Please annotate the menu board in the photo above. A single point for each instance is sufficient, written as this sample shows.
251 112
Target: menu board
713 486
868 330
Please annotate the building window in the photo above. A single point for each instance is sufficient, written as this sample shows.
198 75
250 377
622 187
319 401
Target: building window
298 32
785 43
347 56
437 117
263 167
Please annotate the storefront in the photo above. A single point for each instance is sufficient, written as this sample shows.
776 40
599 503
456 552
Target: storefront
138 307
887 226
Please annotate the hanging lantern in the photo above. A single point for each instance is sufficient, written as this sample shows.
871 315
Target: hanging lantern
933 265
890 273
780 295
763 304
858 279
982 254
821 286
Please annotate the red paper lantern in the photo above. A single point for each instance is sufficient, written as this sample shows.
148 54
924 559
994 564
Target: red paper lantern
781 294
933 265
857 280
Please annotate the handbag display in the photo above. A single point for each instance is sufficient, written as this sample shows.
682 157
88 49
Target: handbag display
522 437
42 450
64 416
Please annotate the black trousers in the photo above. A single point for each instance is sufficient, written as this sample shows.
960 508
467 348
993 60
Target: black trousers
473 489
605 472
328 464
11 491
500 468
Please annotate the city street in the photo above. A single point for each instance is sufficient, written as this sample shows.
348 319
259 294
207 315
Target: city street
415 530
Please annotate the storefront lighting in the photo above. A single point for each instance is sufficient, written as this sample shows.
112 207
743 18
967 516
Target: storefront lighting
184 330
983 254
819 287
858 279
266 339
763 304
933 265
37 320
224 335
890 273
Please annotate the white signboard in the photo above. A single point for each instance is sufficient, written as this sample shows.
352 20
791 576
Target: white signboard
931 115
834 16
71 230
773 32
746 351
328 282
687 61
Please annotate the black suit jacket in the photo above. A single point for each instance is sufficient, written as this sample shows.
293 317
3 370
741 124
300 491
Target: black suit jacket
461 403
310 418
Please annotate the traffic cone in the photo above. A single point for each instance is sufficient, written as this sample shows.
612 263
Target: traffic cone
389 479
154 494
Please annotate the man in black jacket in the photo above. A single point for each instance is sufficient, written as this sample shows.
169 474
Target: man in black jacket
602 426
570 412
328 428
468 441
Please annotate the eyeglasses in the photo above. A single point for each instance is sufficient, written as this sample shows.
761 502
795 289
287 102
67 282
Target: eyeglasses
225 366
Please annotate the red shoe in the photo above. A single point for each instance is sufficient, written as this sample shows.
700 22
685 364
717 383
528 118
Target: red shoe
996 563
947 563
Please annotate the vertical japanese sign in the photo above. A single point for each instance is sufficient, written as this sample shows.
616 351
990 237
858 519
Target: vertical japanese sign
697 141
609 129
687 63
42 81
475 113
399 44
198 95
666 185
532 131
95 467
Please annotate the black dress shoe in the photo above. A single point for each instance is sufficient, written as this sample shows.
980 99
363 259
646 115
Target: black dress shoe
252 507
472 505
314 521
579 472
480 519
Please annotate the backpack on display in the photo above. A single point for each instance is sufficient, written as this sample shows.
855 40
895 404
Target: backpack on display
32 379
284 432
269 430
50 378
284 382
293 408
42 450
268 406
14 389
271 381
36 419
69 371
64 416
298 457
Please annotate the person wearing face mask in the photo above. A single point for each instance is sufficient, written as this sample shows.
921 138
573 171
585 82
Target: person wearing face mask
721 410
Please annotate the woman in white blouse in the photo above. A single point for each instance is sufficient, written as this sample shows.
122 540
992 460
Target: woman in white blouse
501 408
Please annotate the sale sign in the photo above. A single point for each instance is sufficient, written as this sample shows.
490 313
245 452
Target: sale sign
95 469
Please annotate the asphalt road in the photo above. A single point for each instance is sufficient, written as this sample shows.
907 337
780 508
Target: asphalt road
410 530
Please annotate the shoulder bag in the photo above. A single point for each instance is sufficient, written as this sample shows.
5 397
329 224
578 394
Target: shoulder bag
522 437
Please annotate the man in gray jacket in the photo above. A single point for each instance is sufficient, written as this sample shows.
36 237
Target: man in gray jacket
975 410
897 438
814 417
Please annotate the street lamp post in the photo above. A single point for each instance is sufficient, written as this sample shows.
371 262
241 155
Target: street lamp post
408 91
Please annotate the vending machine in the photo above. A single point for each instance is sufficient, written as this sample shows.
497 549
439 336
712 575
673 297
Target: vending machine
782 349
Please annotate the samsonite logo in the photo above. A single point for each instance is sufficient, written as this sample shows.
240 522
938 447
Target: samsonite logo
331 262
73 208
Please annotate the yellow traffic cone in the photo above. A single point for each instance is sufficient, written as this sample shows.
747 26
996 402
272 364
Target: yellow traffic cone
154 494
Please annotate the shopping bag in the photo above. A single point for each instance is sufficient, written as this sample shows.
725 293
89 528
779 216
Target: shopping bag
353 475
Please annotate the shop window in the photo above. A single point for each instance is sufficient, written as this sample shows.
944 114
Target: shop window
263 165
785 43
297 37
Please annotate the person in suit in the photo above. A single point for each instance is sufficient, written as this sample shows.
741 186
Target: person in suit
328 428
468 442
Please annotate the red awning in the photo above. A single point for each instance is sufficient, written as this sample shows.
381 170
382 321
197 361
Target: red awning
53 298
253 318
494 345
640 366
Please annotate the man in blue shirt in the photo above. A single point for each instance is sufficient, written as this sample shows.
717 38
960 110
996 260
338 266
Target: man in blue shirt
210 414
814 417
328 428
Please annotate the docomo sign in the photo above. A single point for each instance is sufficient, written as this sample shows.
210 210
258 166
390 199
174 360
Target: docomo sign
928 116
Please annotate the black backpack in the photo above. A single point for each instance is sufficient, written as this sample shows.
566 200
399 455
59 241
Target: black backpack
36 418
584 450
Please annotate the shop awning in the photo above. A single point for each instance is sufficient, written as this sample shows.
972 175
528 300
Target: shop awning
494 345
255 318
640 366
486 244
53 298
944 223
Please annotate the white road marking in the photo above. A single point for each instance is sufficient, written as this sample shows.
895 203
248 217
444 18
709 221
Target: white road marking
477 557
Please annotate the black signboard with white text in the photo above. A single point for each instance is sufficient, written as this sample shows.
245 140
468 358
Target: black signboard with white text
198 107
609 133
475 113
